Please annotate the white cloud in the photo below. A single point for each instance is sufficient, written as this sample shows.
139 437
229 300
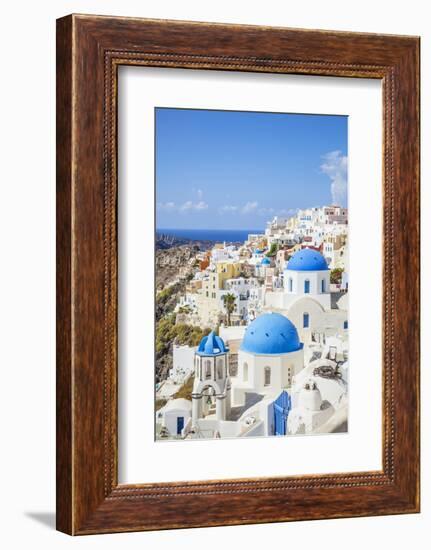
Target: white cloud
186 206
190 205
335 167
249 207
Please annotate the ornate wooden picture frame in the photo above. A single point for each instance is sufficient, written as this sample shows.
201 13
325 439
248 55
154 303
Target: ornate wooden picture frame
89 51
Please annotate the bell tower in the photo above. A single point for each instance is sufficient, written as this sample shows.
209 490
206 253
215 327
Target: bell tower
211 388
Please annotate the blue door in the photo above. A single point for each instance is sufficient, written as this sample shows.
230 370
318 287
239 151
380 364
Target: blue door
282 406
180 424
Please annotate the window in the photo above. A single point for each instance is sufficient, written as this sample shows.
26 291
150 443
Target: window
290 284
233 364
207 369
306 286
245 372
220 369
267 376
306 320
346 324
323 286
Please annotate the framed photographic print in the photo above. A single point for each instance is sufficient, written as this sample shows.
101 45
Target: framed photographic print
237 274
250 308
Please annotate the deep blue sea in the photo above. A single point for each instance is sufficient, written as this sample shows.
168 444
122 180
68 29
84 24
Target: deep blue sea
216 235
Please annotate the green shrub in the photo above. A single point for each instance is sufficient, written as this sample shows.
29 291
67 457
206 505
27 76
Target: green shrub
336 274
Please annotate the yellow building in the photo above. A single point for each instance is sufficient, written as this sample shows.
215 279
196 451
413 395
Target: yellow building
209 302
227 270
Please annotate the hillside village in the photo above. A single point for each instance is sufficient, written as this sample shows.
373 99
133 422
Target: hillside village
257 334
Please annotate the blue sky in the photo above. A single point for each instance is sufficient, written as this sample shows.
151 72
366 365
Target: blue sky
236 170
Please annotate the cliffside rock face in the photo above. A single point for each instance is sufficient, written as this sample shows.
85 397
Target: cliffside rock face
167 299
175 266
164 242
175 263
164 363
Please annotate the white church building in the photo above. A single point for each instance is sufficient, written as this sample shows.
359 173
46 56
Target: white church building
270 355
306 298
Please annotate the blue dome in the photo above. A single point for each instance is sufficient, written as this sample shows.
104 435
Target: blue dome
271 334
211 345
265 261
307 260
